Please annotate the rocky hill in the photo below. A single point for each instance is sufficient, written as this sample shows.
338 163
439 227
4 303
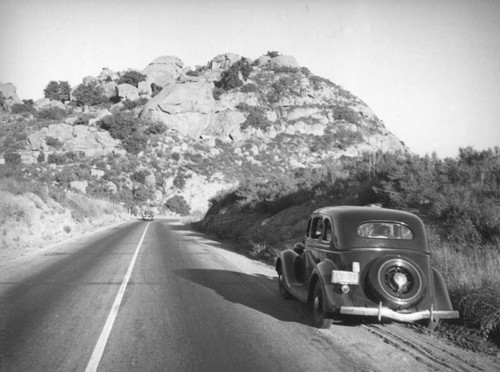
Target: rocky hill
173 136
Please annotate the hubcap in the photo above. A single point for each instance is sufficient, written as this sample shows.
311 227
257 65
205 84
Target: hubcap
316 303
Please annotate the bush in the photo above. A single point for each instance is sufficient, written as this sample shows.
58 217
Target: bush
272 53
58 91
12 158
142 194
53 142
217 92
135 143
230 78
248 88
2 101
90 93
132 78
51 113
25 107
140 176
256 117
120 125
155 89
178 205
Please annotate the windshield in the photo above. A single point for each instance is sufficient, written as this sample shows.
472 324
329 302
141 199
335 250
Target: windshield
385 230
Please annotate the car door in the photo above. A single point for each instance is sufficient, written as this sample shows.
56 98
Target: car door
316 245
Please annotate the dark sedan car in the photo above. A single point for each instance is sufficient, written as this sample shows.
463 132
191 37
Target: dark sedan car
365 261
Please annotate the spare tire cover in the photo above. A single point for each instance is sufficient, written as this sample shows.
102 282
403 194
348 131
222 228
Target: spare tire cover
397 281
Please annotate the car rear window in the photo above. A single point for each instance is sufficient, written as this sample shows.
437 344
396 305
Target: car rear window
385 230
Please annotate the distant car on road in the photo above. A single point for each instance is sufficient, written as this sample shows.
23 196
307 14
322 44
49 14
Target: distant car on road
147 216
367 262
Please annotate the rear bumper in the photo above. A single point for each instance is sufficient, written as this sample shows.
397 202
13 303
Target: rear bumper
384 312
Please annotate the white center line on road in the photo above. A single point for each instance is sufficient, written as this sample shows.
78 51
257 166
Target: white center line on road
103 338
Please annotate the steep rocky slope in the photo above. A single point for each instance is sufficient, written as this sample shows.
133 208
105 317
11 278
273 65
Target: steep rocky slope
201 130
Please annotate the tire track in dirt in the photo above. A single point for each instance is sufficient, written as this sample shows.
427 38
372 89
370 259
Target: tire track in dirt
435 354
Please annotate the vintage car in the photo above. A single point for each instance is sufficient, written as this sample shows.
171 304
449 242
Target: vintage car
147 216
368 262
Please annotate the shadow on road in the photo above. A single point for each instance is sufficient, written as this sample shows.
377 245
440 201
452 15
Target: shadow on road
258 292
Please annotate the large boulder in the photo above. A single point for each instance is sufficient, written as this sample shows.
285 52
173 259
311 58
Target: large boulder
8 91
164 70
284 61
127 92
223 61
107 75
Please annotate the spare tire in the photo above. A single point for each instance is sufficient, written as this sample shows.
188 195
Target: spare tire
398 282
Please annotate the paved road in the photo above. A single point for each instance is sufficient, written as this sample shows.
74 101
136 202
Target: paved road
155 296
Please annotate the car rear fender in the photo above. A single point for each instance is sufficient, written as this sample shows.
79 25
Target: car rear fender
441 296
323 273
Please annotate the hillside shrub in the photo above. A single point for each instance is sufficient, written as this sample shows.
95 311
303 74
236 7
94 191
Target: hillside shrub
53 142
346 113
272 53
284 69
140 176
90 93
12 158
230 78
248 88
180 180
256 117
155 89
132 77
135 143
2 101
51 113
27 107
120 125
142 194
56 159
178 204
57 91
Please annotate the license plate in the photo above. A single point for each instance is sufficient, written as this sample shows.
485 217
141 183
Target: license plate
345 277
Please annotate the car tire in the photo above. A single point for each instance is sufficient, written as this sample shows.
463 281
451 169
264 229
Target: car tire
318 308
281 286
385 275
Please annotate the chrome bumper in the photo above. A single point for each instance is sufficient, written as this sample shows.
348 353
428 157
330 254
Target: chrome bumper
384 312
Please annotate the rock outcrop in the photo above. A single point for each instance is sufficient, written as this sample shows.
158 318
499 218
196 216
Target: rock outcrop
164 70
92 141
8 90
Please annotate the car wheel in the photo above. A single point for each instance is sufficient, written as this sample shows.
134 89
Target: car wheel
318 308
397 281
283 291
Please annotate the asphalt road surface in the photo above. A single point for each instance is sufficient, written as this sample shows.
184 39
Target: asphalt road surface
155 296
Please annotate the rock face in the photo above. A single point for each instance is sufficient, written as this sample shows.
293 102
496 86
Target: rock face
8 90
127 92
223 61
164 70
90 140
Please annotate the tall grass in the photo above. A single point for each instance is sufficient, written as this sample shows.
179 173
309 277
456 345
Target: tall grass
472 275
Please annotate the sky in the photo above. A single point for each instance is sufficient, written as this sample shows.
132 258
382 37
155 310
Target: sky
430 70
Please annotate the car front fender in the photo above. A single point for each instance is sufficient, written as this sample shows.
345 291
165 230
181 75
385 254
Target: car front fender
285 265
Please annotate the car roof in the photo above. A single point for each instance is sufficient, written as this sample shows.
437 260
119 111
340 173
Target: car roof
346 220
368 213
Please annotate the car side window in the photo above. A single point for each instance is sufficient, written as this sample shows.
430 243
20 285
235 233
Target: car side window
327 231
317 227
